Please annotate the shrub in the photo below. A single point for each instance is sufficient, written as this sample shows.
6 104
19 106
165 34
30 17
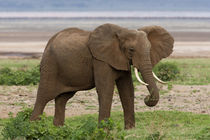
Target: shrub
43 129
166 71
19 77
6 76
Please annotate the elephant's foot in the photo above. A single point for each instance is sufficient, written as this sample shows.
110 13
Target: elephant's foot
129 122
58 122
38 110
129 126
34 117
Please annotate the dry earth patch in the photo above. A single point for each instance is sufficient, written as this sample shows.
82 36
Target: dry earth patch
187 98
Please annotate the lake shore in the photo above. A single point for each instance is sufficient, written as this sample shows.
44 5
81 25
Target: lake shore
32 44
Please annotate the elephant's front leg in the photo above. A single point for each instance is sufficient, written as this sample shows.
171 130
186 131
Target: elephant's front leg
104 77
126 92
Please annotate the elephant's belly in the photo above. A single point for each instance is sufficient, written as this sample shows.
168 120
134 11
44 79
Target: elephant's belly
77 77
76 70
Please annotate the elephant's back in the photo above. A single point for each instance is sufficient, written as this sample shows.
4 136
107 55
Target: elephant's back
71 38
71 45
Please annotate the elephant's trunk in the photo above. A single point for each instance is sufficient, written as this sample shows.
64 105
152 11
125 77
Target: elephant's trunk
146 72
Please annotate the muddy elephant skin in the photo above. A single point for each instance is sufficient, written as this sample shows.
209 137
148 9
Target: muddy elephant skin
76 60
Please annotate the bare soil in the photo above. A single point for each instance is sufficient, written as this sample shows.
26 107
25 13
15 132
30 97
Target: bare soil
181 98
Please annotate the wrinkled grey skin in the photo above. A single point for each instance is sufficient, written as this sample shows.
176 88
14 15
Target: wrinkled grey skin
76 60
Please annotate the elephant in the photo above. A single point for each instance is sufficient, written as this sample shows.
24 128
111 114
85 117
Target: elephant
76 60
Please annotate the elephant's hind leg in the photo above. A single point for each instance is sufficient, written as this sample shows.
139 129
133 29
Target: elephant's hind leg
49 85
44 95
60 104
48 90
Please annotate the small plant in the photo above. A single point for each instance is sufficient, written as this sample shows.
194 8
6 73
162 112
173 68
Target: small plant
108 130
154 136
170 86
166 71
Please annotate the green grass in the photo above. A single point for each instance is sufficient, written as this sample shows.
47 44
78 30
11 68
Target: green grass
166 125
2 124
193 71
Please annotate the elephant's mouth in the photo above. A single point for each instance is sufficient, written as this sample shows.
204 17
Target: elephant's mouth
142 82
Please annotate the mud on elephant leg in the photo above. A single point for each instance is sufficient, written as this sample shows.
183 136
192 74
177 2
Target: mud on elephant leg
104 81
126 92
60 104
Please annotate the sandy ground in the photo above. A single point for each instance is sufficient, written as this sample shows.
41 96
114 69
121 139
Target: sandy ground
181 98
191 49
35 49
32 44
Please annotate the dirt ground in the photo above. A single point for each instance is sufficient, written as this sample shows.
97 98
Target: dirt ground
181 98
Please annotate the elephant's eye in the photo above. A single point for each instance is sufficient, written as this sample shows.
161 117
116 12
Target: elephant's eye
131 49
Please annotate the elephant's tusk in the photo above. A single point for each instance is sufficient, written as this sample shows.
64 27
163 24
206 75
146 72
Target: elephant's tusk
138 78
162 82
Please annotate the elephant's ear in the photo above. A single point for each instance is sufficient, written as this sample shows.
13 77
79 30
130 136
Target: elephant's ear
104 45
161 42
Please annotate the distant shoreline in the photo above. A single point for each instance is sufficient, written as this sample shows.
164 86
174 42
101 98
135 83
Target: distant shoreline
38 36
28 50
31 44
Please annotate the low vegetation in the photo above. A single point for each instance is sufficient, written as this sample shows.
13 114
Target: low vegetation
167 71
193 71
19 77
149 126
177 71
19 72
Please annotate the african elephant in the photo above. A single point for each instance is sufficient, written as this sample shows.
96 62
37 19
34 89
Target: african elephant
76 60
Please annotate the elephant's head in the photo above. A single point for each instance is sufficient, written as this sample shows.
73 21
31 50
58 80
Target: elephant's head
143 48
